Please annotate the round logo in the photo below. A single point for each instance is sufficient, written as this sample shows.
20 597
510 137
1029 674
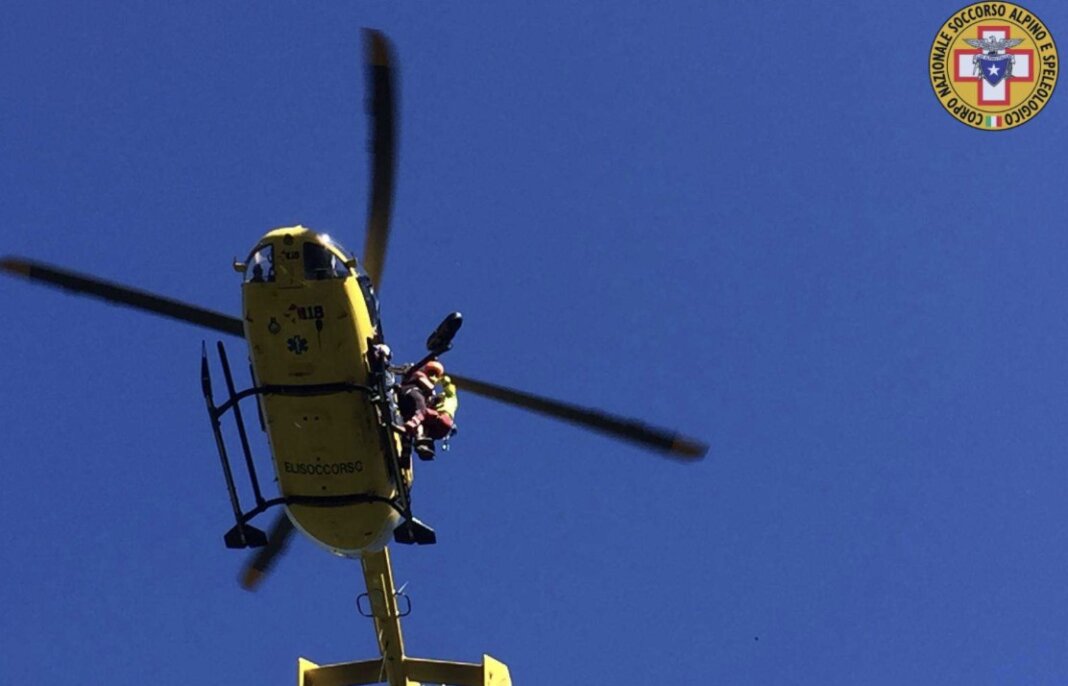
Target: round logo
993 65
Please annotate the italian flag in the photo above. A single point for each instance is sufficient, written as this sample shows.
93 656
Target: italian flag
993 122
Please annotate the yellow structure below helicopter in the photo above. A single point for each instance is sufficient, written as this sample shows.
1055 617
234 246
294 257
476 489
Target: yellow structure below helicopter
394 667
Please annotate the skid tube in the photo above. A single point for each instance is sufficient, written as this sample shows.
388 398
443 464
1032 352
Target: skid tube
243 534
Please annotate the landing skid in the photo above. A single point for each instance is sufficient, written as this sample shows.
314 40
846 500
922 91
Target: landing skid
243 534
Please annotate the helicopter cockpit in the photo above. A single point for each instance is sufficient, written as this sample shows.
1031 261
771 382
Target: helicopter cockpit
260 265
364 281
322 259
321 263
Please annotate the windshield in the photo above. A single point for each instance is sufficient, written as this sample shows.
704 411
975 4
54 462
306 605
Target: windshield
320 263
328 239
260 267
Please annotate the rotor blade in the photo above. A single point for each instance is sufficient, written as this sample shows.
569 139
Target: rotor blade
381 106
122 295
662 440
259 564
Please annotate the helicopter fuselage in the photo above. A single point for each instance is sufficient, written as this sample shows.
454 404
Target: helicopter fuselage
310 318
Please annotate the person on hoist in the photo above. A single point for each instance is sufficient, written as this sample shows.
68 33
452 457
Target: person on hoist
428 416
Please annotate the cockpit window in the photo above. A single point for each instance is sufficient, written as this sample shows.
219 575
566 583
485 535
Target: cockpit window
260 267
320 263
328 239
369 297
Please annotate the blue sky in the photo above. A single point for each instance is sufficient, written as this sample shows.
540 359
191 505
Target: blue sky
748 220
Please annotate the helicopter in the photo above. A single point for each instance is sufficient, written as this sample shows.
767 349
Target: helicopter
326 395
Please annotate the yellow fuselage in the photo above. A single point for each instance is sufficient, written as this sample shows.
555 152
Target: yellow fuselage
307 321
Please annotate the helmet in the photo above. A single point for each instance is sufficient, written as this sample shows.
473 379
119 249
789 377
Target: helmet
433 369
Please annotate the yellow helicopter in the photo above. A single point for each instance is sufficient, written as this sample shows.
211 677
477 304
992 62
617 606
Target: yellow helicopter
326 394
